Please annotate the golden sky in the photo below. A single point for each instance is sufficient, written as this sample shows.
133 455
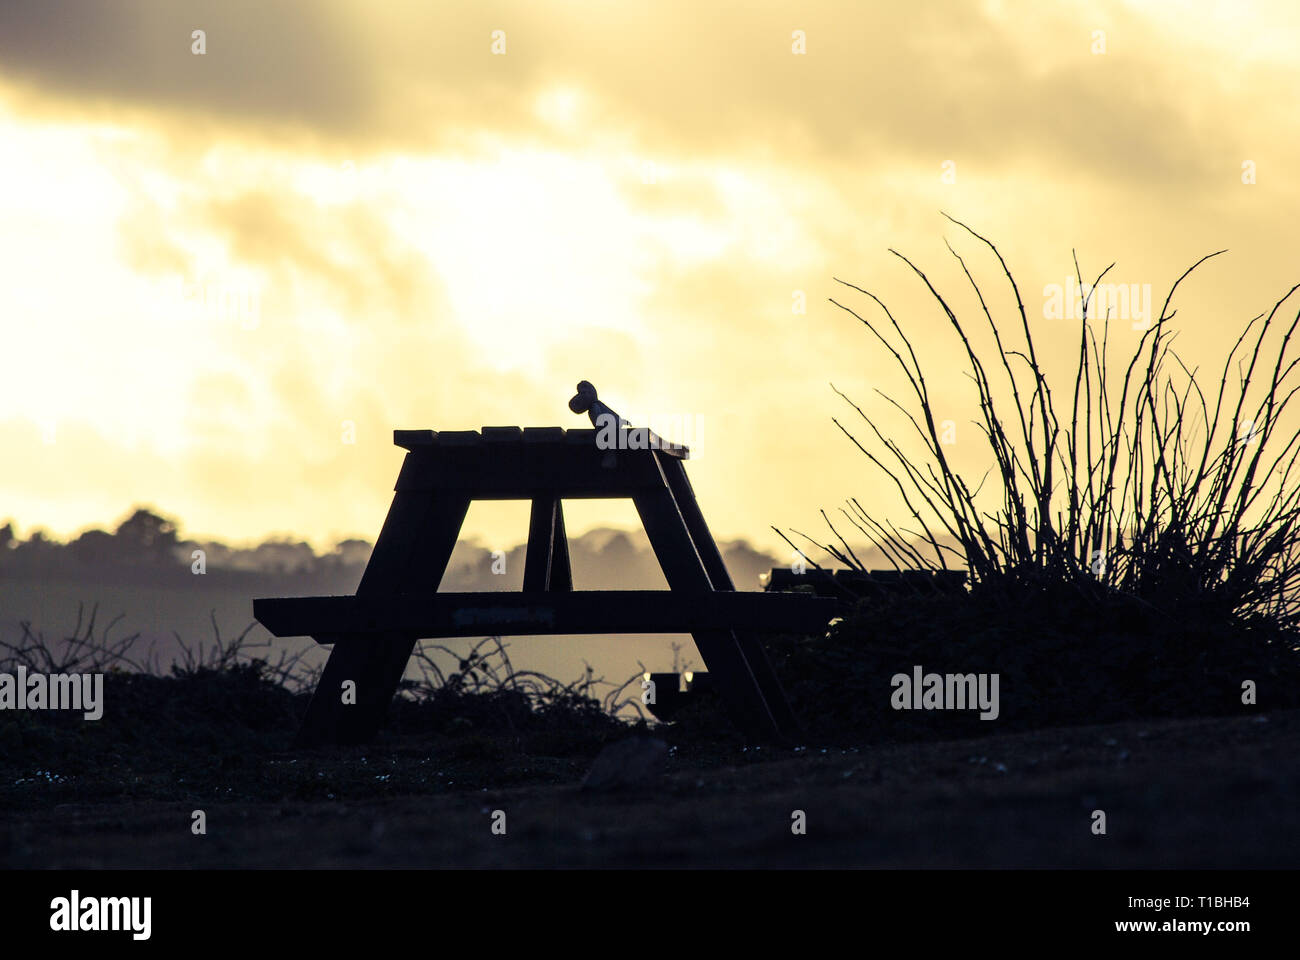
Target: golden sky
358 212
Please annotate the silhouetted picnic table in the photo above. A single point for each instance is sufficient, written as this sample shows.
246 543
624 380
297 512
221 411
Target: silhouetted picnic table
374 632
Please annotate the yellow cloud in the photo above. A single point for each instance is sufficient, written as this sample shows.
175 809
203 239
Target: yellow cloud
350 212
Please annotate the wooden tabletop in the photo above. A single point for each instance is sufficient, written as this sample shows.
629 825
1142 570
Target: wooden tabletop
630 438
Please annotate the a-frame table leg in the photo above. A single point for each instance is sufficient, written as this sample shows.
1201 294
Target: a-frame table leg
546 565
410 556
722 654
561 567
679 483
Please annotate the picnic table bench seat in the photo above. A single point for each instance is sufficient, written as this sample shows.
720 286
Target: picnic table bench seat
538 613
848 584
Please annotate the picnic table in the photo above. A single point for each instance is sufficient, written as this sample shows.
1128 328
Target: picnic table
374 632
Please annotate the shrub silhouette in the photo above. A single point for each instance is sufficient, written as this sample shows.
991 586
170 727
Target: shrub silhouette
1140 553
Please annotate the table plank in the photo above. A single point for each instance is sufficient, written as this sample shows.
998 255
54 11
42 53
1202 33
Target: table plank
540 613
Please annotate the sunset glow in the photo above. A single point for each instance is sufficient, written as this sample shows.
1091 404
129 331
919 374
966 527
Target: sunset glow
210 263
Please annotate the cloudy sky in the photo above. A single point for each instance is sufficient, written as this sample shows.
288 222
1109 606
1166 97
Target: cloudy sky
217 268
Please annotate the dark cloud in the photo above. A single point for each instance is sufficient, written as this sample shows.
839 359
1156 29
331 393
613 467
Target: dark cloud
917 83
290 63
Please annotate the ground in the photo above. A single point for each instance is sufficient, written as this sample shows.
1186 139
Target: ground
1175 793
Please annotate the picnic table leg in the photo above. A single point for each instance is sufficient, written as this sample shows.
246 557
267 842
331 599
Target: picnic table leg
674 472
410 556
561 568
679 483
374 667
722 654
546 566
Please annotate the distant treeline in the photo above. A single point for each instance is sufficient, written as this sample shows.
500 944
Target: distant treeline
147 549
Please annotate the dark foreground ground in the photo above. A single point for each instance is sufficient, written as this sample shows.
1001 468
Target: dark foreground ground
1175 793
